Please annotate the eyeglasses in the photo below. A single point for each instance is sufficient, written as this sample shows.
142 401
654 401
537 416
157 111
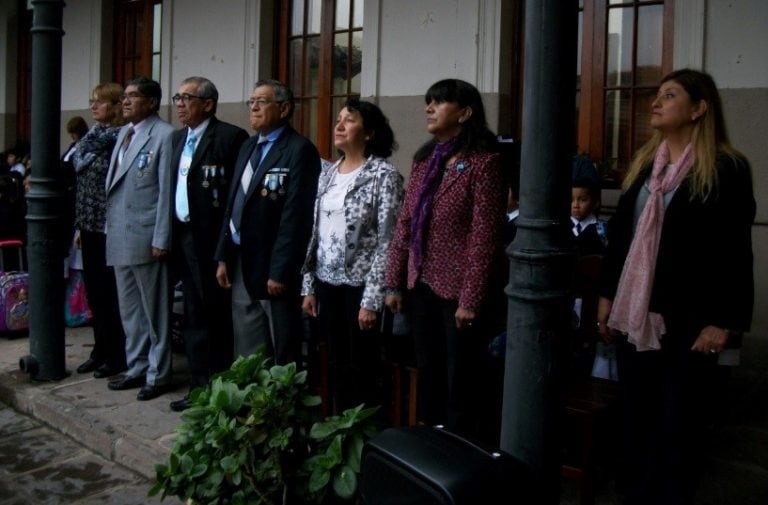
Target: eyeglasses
131 96
186 98
261 102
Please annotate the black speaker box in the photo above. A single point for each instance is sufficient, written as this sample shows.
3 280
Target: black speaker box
431 466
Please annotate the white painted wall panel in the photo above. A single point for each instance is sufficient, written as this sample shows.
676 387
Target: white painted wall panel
208 38
80 50
422 42
736 43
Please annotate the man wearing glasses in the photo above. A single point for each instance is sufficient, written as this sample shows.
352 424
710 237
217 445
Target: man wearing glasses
138 227
267 225
203 159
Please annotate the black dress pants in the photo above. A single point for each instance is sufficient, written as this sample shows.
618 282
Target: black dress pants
354 354
207 326
449 361
101 290
667 399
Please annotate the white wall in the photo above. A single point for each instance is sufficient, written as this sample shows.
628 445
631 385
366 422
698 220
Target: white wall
81 52
736 47
210 39
422 42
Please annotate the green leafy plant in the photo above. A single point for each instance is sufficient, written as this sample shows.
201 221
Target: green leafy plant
254 436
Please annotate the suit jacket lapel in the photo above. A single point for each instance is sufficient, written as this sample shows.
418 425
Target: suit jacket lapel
176 159
452 175
137 144
208 137
272 156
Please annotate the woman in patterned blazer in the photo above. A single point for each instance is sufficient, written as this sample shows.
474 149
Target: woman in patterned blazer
447 243
358 199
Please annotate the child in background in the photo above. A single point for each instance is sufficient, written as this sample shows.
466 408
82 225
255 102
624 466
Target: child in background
590 238
587 229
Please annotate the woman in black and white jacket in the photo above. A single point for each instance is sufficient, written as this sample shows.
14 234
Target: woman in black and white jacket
358 200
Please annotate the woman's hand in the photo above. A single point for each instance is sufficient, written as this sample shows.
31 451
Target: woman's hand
711 340
604 306
309 305
394 302
464 318
366 319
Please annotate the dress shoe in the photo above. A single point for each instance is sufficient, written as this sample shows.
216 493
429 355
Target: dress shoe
127 383
180 405
107 371
149 391
89 366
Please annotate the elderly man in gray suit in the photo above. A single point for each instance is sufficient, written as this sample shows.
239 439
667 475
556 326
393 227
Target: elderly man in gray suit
138 226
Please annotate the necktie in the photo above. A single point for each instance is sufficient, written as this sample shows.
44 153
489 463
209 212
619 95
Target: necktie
245 183
577 229
182 201
125 144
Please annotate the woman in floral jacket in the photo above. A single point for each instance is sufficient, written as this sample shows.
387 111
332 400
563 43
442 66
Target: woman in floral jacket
91 161
358 199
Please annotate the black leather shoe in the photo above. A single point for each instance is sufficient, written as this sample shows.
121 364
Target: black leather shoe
180 405
107 371
149 391
127 383
89 366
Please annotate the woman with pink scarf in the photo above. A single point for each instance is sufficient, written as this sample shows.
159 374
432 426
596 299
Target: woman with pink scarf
677 289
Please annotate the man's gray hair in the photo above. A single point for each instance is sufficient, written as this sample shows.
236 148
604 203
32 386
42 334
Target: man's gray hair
282 92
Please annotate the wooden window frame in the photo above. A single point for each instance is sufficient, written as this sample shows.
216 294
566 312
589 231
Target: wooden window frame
325 115
591 134
143 52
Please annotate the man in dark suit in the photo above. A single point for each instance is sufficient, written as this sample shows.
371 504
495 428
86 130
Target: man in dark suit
138 228
202 163
267 225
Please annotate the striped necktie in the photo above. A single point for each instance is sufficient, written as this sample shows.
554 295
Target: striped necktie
245 183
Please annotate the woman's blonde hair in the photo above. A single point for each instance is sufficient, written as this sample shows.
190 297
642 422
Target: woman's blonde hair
109 92
709 138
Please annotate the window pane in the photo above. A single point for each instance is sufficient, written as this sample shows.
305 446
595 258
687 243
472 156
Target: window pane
313 17
156 25
342 14
642 124
356 55
297 19
619 41
649 39
313 66
357 22
298 118
579 43
156 67
615 2
310 116
617 142
295 59
578 106
340 57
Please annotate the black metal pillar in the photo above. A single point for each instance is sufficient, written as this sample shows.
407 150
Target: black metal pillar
542 257
45 199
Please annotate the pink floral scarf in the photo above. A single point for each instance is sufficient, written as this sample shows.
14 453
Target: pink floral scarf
630 313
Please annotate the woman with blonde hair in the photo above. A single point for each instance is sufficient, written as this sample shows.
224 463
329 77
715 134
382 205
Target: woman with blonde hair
91 160
677 289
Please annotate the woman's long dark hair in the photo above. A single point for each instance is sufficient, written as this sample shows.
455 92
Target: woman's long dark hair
474 134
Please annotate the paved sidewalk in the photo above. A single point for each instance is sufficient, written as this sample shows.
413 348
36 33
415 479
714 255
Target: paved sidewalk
113 424
40 465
